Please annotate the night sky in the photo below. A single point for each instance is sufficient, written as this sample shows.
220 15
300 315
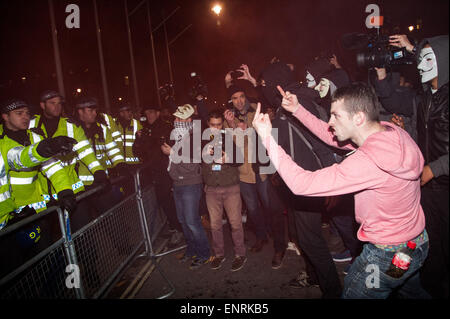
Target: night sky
247 31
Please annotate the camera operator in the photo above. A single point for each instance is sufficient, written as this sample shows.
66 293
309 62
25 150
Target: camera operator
221 178
432 136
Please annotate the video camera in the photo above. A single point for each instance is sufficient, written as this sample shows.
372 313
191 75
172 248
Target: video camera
375 50
198 87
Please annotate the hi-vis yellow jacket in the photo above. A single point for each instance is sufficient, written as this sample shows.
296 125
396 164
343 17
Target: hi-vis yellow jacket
26 184
106 151
129 136
17 158
83 153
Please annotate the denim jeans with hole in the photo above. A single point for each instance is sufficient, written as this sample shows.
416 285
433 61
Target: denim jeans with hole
187 199
367 279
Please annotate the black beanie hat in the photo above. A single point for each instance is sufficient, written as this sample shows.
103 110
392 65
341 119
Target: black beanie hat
318 68
278 73
233 89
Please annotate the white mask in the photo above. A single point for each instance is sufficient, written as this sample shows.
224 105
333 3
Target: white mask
310 81
323 87
427 65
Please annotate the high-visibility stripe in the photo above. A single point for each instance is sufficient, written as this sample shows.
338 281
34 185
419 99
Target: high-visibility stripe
69 129
131 159
36 137
53 170
36 206
86 153
77 185
22 180
47 197
110 145
86 178
108 162
135 127
115 133
32 123
93 164
129 143
80 145
106 119
117 158
4 196
130 137
114 151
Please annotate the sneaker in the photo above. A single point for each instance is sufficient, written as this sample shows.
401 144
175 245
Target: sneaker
277 260
302 281
197 263
293 246
238 263
216 262
342 257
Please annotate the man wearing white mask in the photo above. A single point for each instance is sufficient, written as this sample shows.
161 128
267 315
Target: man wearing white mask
433 136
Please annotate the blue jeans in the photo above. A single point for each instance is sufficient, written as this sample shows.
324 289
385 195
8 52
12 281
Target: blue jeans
367 279
187 199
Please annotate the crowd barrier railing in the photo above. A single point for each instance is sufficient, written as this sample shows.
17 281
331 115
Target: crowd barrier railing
88 262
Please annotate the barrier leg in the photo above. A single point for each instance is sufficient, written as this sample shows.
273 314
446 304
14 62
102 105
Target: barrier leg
69 249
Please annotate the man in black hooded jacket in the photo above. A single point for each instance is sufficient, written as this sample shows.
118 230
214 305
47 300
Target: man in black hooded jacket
433 136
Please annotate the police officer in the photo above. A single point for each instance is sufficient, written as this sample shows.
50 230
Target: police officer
105 148
51 123
128 127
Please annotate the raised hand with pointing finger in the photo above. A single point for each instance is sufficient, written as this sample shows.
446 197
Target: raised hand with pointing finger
262 124
290 101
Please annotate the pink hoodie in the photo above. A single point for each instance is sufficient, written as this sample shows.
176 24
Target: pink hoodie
384 173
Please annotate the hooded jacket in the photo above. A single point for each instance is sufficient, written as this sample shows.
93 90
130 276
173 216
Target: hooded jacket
432 114
432 111
293 137
384 173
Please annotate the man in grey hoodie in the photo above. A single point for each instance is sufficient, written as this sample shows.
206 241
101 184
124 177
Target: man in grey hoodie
187 179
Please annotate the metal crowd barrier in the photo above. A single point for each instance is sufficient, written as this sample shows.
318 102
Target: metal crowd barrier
89 262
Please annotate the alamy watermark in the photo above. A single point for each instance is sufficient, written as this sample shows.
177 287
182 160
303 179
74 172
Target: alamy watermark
373 279
225 146
73 19
373 20
73 279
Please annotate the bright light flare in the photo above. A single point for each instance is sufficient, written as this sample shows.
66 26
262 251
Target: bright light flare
79 90
217 9
411 28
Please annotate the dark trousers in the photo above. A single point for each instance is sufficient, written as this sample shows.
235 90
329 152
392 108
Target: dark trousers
164 195
434 273
319 263
343 218
269 216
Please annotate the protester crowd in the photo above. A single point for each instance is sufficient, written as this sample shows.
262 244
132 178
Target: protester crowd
371 158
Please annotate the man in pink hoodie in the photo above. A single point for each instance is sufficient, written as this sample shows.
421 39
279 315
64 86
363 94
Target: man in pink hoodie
383 170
